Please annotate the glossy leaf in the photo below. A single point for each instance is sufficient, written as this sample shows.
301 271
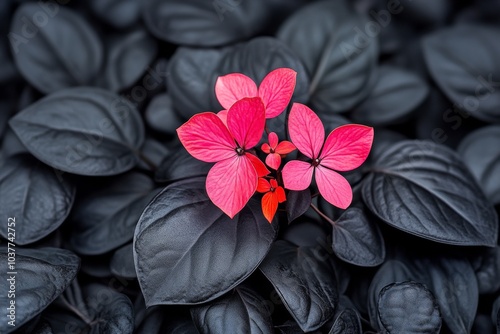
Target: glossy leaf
395 95
117 13
62 50
462 61
42 275
35 195
183 267
495 314
408 307
160 115
240 311
105 218
180 165
86 131
424 189
341 57
347 322
297 203
122 262
305 283
357 240
480 153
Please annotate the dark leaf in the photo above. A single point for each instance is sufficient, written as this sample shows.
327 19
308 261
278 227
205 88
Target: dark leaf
495 314
408 307
297 203
338 55
204 23
86 131
419 12
53 47
481 154
357 240
127 59
97 265
396 94
193 72
38 198
180 165
240 311
187 251
424 189
37 327
11 145
487 268
304 281
164 319
117 13
307 234
122 262
383 141
106 218
463 62
42 275
291 327
347 322
160 115
153 153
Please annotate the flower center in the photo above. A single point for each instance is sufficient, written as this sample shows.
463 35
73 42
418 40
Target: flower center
240 151
315 162
272 189
271 150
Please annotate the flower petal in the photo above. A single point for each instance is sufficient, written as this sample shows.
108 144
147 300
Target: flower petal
285 147
276 90
206 138
273 139
269 205
223 116
263 186
259 166
273 160
297 175
333 187
306 130
281 194
273 183
233 87
266 148
231 183
246 121
347 147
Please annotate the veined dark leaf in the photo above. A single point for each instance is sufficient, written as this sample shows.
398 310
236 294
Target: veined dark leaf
495 314
54 48
86 131
338 54
304 281
35 195
347 322
42 275
481 154
463 62
424 189
122 262
297 203
239 311
187 251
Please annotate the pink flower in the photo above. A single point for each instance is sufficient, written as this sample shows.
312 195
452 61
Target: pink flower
273 195
276 90
234 178
275 150
346 148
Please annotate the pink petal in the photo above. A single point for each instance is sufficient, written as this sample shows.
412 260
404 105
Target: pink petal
263 186
306 130
276 90
347 147
297 175
273 160
231 183
246 121
223 116
206 138
285 147
266 148
333 187
233 87
259 166
273 139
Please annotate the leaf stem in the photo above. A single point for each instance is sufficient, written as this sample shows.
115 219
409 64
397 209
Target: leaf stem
322 215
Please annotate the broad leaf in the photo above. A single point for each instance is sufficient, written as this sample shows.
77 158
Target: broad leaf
60 52
304 281
297 203
160 115
41 276
204 23
481 154
153 153
339 56
487 268
180 165
495 314
409 308
347 322
105 218
117 13
187 251
86 131
463 62
396 94
357 240
424 189
36 196
122 262
240 311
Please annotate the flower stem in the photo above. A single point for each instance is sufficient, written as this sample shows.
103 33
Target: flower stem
322 215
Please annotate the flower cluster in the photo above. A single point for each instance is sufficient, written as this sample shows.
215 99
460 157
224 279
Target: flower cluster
228 139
